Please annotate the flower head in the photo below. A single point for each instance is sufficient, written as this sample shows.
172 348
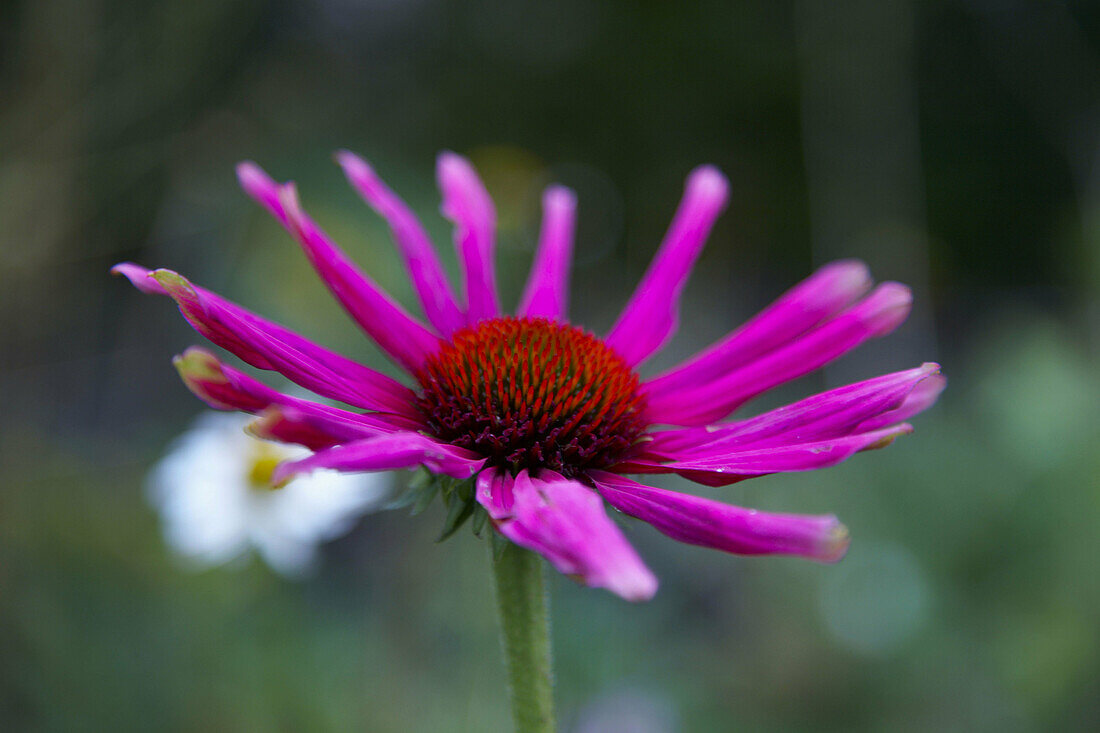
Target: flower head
214 494
534 421
532 393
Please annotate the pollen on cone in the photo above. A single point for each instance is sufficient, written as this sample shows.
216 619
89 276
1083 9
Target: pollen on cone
530 392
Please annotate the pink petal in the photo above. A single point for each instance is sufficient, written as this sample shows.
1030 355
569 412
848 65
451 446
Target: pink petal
219 386
729 466
923 396
467 204
266 345
708 523
288 425
424 267
286 418
494 492
805 305
876 315
387 453
402 337
830 414
650 318
547 292
565 522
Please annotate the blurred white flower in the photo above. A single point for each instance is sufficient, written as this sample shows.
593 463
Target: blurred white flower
215 499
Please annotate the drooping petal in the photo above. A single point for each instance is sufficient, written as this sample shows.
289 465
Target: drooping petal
388 453
494 492
876 315
565 522
424 267
853 408
283 417
266 345
220 386
547 291
707 523
819 296
402 337
467 204
727 466
651 315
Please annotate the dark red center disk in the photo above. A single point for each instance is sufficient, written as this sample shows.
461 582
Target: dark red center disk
532 393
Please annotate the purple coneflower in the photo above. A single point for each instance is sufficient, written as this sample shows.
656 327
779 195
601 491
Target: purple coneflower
541 418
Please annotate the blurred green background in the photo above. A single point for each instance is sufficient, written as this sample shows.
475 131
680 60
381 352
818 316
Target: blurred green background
953 145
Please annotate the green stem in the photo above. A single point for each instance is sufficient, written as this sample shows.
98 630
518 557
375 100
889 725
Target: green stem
525 636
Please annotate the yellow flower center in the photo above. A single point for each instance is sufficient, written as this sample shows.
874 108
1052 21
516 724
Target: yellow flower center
262 465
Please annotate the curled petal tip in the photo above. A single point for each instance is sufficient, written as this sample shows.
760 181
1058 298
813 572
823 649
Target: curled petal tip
199 364
558 196
254 180
848 263
180 289
451 169
893 301
139 277
170 280
935 384
850 275
896 291
709 185
248 170
834 542
352 164
202 373
450 161
458 180
639 585
261 188
287 196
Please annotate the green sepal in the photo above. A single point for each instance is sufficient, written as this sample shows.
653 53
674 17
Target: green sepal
480 518
499 543
458 495
423 486
461 502
425 498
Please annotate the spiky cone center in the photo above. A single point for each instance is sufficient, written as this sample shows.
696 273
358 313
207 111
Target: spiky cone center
532 393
